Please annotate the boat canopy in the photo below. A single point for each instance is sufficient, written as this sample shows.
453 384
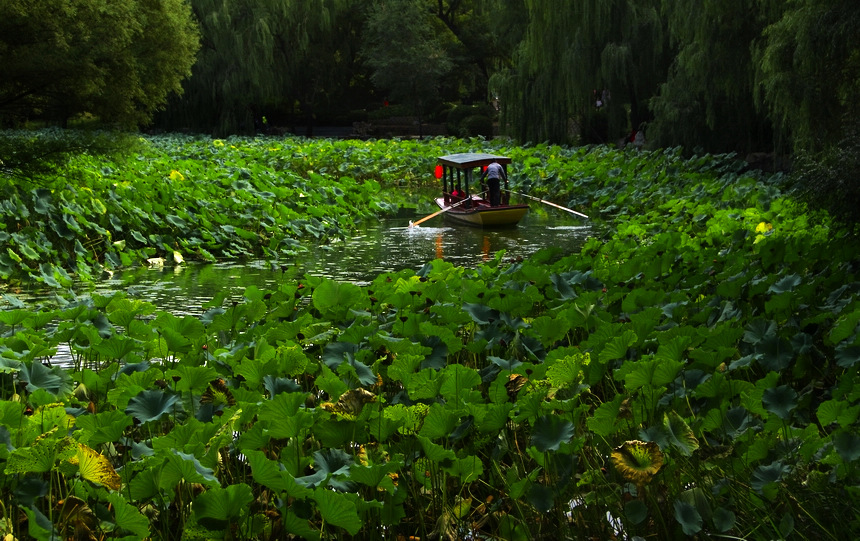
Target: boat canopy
469 160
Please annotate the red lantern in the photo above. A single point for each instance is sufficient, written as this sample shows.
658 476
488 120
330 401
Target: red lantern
438 171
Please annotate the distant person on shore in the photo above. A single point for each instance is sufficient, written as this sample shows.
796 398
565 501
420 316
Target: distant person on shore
494 173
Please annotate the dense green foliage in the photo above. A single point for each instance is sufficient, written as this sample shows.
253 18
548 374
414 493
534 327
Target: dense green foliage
692 373
179 198
117 60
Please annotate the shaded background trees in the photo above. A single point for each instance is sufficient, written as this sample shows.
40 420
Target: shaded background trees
747 76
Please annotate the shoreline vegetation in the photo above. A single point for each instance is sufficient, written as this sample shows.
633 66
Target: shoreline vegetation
693 372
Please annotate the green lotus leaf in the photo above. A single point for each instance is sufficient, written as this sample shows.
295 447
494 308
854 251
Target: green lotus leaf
286 416
14 317
296 525
128 517
549 432
679 433
688 517
481 314
758 330
550 329
724 519
562 287
847 356
780 401
38 376
847 444
338 509
636 511
272 474
42 456
774 353
438 422
335 299
617 347
103 427
151 405
185 467
217 505
457 379
786 284
764 477
192 378
117 347
831 411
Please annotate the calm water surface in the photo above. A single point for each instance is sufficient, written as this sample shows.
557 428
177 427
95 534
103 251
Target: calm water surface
386 246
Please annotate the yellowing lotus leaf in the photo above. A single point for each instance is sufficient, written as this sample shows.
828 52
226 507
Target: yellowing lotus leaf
95 467
638 461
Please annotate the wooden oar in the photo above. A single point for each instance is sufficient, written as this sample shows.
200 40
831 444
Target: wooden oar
444 209
549 203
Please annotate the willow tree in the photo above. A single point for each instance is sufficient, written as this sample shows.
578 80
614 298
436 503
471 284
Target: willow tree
403 47
249 49
575 54
808 71
707 98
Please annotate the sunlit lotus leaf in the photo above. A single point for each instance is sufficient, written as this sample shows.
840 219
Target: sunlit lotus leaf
103 427
218 505
128 516
638 461
653 373
425 385
617 346
41 456
117 347
550 329
150 405
338 509
185 467
285 415
273 475
847 444
780 401
679 433
439 422
95 467
377 476
467 469
457 380
335 299
688 517
831 411
192 378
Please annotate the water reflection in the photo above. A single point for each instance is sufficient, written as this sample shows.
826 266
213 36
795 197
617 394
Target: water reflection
385 246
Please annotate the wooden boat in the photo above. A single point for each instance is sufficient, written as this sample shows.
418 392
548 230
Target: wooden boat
458 201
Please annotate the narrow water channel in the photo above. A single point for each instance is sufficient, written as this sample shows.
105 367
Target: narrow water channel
386 246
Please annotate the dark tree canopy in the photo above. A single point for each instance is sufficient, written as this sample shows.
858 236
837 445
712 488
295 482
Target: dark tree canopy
116 60
405 52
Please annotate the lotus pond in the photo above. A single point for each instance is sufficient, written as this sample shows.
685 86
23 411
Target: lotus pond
691 373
